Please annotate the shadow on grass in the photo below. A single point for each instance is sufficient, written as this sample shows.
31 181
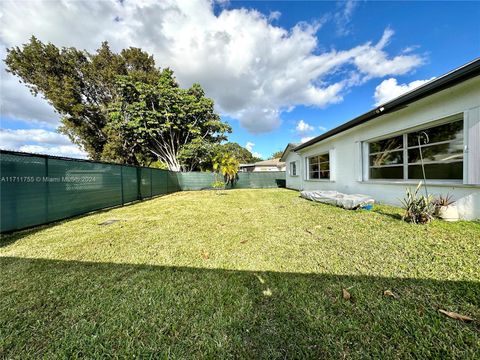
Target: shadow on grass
10 237
390 214
71 309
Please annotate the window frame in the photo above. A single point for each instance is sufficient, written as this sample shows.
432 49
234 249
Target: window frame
291 173
307 167
446 120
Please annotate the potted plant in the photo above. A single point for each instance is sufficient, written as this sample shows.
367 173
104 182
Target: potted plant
445 208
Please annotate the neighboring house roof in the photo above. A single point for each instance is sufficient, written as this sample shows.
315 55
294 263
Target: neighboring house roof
289 147
271 162
443 82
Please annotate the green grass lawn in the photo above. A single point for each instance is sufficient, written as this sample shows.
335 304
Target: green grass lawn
249 274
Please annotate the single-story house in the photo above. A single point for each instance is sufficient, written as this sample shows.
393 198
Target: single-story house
265 165
377 153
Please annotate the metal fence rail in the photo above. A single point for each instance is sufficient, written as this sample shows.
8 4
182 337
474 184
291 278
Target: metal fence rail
39 189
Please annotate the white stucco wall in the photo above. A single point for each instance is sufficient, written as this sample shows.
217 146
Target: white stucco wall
294 182
462 98
268 168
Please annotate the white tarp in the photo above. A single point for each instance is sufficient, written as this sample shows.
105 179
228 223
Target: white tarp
353 201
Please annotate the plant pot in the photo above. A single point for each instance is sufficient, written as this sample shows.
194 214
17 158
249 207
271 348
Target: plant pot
448 213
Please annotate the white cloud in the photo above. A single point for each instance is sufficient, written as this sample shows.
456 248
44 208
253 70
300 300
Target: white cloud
303 127
10 138
304 130
274 15
252 69
39 141
343 17
373 61
249 146
63 150
16 101
390 89
306 138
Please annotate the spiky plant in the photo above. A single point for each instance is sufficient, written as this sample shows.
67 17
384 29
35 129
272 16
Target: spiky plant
419 209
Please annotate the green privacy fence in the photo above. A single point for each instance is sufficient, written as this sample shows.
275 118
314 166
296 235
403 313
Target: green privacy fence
39 189
245 180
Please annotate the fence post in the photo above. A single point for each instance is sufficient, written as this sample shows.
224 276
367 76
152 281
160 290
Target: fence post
47 190
139 180
121 182
168 176
151 184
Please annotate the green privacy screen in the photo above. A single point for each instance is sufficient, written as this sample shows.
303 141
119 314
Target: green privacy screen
38 189
245 180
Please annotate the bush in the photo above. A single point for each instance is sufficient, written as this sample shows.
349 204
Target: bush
218 185
419 209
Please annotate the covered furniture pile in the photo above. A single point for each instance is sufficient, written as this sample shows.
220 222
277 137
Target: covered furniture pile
353 201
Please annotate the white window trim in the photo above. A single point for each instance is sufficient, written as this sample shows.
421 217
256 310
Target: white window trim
307 167
471 172
290 168
365 166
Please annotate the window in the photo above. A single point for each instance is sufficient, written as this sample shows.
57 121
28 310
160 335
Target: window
293 168
399 157
386 158
319 167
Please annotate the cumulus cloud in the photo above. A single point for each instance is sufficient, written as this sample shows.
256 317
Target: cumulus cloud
253 69
71 151
249 146
373 61
390 89
39 141
16 101
303 127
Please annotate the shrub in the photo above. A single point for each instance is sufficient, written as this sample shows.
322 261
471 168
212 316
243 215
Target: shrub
419 209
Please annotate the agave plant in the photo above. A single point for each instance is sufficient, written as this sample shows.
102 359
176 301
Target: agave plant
419 209
443 200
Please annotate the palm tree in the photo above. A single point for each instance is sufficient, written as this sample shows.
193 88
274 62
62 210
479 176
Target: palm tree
227 165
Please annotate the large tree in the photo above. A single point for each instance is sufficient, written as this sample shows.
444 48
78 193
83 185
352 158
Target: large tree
200 155
243 155
165 119
80 86
276 155
118 107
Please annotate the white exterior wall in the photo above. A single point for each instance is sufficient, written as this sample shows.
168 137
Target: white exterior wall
346 167
294 182
268 168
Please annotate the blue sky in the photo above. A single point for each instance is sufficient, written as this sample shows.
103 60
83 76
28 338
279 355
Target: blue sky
279 72
447 34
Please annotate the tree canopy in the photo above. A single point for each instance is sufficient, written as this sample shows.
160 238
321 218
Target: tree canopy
277 154
165 119
201 155
243 155
119 106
